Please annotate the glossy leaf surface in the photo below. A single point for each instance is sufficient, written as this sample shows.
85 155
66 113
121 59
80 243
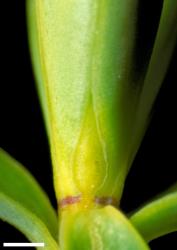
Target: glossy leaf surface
158 217
16 182
86 57
164 46
25 221
98 104
98 229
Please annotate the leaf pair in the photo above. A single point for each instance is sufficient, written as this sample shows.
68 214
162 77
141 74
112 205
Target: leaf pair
96 111
25 206
96 103
98 229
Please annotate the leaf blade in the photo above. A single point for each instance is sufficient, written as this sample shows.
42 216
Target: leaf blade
77 96
29 224
18 183
101 228
160 59
158 217
36 60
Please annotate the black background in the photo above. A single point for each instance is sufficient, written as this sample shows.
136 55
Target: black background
22 132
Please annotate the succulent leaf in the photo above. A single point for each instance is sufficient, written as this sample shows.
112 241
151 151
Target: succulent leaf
97 104
158 217
164 46
86 57
36 60
100 229
17 183
25 221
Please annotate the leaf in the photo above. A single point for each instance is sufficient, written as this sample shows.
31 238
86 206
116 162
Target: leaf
86 53
28 223
17 183
98 229
98 101
158 217
36 61
160 59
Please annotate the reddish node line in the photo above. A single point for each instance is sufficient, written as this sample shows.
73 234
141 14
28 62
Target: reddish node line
106 201
70 200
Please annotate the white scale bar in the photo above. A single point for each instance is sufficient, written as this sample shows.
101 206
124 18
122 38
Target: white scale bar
39 244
